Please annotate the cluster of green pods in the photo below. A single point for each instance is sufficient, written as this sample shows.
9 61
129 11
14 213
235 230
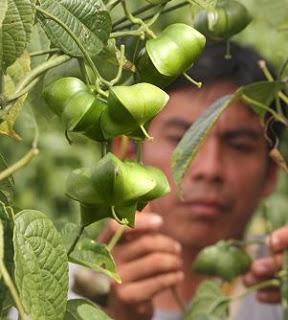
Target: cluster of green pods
115 188
127 111
228 18
223 259
169 55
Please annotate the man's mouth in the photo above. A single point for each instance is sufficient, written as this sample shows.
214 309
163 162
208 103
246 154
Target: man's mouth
205 208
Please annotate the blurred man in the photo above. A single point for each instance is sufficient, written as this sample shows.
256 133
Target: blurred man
229 176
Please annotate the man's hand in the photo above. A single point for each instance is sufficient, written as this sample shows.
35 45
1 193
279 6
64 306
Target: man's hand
147 261
265 268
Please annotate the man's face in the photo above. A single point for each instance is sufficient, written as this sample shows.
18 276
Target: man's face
226 179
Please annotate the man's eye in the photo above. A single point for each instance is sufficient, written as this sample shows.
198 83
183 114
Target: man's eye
242 147
175 139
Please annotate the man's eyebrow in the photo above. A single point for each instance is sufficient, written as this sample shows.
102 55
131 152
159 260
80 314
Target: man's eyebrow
177 123
254 134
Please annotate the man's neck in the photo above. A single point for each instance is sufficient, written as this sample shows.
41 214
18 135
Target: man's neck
185 290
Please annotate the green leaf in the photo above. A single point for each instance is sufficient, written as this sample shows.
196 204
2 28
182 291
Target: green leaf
15 31
14 74
263 92
209 300
192 140
94 255
41 266
79 309
38 42
69 234
8 252
3 9
88 20
6 185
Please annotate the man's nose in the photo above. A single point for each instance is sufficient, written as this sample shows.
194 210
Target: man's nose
208 163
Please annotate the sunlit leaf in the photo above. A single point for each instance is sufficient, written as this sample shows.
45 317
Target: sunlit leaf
14 74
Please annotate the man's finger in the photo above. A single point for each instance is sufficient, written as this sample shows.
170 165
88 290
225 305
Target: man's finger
269 296
145 244
268 266
150 265
278 240
144 222
144 290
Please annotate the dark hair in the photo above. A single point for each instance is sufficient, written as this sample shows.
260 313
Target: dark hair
242 69
212 66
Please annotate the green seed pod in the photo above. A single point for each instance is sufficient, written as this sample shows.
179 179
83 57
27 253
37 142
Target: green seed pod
130 108
228 18
91 214
60 91
110 182
78 108
162 187
224 260
170 54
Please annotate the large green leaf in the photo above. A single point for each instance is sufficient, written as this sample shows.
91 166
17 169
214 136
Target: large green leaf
79 309
6 185
91 254
209 302
41 266
88 20
3 9
15 31
191 142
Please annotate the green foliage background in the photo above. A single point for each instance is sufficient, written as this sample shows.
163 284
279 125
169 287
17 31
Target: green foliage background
41 184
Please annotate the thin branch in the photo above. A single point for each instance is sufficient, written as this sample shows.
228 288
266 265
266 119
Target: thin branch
9 283
75 241
42 52
19 164
117 236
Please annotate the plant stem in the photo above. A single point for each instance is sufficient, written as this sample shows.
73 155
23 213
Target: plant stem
196 83
178 299
258 286
175 7
269 77
19 164
9 283
32 75
42 52
117 236
122 61
112 4
122 221
262 106
79 44
75 241
21 93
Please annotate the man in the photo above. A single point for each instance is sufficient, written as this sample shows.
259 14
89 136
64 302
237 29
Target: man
221 190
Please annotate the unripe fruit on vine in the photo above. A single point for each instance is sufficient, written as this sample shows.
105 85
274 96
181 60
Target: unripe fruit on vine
170 54
110 182
224 260
93 213
60 91
77 107
228 18
130 108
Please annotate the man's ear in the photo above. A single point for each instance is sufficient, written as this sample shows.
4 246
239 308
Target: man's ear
271 178
124 148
